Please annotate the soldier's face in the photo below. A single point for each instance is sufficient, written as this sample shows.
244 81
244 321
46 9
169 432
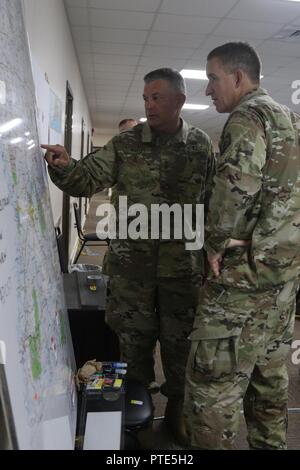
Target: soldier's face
222 86
162 105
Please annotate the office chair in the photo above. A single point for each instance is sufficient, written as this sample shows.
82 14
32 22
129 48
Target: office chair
139 412
85 237
63 259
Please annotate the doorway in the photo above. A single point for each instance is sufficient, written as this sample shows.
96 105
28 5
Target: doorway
81 156
68 146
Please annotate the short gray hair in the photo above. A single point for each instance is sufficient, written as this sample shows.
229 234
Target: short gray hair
238 55
170 75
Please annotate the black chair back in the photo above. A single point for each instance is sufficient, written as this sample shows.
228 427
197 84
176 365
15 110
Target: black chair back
77 220
63 259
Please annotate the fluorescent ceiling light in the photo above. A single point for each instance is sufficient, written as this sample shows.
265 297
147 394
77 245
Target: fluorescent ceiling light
195 106
143 119
196 74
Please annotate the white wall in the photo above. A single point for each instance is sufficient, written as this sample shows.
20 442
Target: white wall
52 50
101 139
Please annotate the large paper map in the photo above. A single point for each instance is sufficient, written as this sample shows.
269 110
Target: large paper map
33 319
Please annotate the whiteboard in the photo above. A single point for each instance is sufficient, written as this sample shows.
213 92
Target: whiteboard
34 327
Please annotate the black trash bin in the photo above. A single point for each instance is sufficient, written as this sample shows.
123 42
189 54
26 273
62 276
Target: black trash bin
85 292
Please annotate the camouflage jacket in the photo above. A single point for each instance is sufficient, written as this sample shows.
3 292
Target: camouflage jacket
148 171
257 194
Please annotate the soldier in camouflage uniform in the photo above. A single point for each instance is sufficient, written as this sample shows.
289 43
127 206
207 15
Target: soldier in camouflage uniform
154 284
126 124
244 323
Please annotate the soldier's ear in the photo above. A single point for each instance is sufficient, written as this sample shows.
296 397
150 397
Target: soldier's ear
181 99
238 75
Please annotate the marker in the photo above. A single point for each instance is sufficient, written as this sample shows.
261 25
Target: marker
115 364
121 371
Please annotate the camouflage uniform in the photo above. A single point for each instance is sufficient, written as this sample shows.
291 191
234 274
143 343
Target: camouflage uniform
154 284
244 323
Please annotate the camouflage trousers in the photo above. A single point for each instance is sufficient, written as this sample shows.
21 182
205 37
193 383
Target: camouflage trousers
142 312
238 361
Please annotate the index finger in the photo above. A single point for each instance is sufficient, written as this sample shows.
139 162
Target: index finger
52 148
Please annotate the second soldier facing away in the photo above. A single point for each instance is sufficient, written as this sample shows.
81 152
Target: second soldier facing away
154 283
244 323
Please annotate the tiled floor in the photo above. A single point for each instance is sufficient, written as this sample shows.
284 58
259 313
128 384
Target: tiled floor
158 437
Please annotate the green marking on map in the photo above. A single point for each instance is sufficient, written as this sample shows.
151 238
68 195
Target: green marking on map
15 178
35 341
41 218
36 367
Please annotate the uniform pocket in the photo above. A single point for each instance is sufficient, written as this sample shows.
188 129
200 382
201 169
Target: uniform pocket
238 268
215 356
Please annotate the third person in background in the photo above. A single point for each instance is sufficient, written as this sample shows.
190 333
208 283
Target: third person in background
126 124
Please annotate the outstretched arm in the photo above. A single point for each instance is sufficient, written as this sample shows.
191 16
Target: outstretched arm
84 177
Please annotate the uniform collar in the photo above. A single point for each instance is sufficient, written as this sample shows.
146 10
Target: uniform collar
253 94
180 136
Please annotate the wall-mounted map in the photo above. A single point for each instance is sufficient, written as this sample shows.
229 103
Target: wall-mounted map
33 319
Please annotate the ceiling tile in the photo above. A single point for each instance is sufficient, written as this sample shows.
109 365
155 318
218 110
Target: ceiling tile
113 80
83 46
115 68
124 36
157 62
131 5
269 70
240 29
213 41
87 75
293 70
115 48
110 76
117 95
142 70
110 107
171 52
196 7
280 48
120 19
81 33
165 38
276 82
85 59
184 24
273 11
75 3
272 59
78 16
87 67
118 90
115 59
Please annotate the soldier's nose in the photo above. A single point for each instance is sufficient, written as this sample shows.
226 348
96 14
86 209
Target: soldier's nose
208 90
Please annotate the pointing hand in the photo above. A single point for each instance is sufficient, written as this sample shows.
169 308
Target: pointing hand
56 156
